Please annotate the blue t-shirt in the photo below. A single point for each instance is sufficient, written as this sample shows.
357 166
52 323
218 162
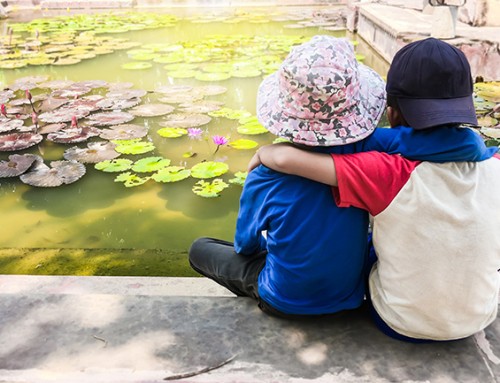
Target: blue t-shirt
317 251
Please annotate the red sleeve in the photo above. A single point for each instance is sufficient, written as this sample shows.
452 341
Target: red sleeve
370 180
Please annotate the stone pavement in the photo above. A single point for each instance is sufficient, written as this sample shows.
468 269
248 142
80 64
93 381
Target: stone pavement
137 329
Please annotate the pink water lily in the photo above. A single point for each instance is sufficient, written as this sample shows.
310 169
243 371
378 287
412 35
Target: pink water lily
74 122
194 132
28 94
3 109
219 140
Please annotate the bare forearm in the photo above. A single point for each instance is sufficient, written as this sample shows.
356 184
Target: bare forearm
291 160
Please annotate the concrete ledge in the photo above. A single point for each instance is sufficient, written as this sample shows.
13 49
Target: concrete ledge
96 329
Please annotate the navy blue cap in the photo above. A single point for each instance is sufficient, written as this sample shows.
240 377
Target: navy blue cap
433 85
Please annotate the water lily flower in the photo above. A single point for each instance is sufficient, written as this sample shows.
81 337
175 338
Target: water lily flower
28 94
4 110
194 132
219 140
34 118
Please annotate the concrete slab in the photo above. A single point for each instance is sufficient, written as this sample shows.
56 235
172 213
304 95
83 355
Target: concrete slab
128 329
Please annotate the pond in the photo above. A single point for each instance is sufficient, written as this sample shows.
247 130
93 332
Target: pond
124 216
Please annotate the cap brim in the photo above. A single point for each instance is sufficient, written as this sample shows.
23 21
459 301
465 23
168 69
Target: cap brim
306 132
428 113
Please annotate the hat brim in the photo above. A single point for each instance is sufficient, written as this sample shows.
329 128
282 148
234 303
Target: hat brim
348 127
428 113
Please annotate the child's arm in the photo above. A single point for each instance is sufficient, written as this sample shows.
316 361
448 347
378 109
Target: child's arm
290 160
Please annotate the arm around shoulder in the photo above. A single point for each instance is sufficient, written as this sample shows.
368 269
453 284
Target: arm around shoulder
289 159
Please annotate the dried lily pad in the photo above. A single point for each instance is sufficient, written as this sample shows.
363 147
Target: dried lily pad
172 132
211 90
60 172
110 118
6 95
88 103
51 103
171 174
173 89
7 125
126 93
18 141
150 164
56 84
95 152
72 91
114 165
151 110
124 132
17 164
179 98
209 169
201 107
185 120
73 135
63 115
118 103
50 128
243 144
209 189
133 146
93 83
131 179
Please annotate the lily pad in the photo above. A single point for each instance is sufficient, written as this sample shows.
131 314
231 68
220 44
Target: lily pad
150 164
185 120
59 173
110 118
51 128
118 103
126 93
239 178
114 166
232 114
137 65
8 125
179 98
151 110
491 132
63 115
252 128
185 73
173 89
135 146
243 144
211 90
217 76
209 189
172 132
201 107
73 135
17 164
94 153
131 179
18 141
171 174
209 169
124 132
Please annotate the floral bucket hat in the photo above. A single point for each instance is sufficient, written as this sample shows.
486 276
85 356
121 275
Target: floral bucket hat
321 95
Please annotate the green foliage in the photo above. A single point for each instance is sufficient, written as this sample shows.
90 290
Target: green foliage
150 164
209 189
171 174
209 169
114 166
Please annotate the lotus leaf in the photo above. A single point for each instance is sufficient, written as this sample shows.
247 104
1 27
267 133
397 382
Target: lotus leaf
124 132
7 125
118 103
95 152
491 132
172 132
229 113
135 146
124 93
209 169
218 76
73 135
487 121
239 178
173 89
17 164
150 164
60 172
201 107
134 65
243 144
185 120
209 189
18 141
171 174
131 180
114 165
151 110
110 118
251 128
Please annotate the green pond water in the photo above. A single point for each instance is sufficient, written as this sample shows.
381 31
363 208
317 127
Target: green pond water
96 226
